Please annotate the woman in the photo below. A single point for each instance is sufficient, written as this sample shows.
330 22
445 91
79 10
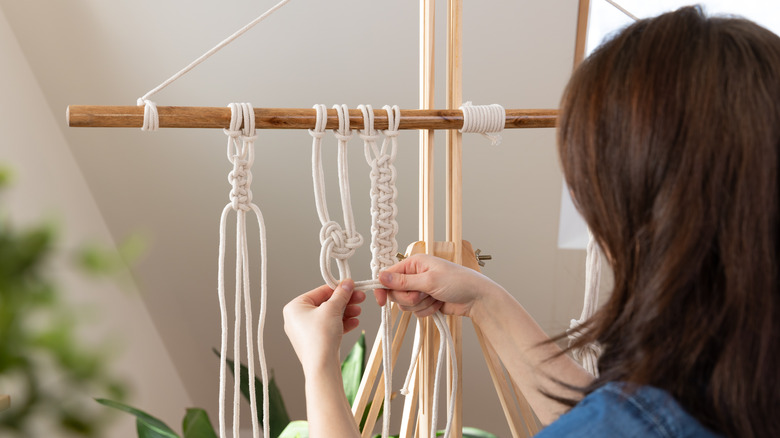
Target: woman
668 139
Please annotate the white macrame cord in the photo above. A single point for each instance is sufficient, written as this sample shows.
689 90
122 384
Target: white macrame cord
589 354
384 227
488 120
151 116
240 152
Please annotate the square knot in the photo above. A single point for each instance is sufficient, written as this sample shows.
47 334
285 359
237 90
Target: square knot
336 241
240 179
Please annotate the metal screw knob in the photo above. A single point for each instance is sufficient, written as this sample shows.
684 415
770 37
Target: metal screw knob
481 258
400 257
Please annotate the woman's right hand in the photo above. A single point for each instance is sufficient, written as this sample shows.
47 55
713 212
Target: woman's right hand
424 284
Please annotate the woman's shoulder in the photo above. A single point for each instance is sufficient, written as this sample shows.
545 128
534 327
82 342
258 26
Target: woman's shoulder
616 409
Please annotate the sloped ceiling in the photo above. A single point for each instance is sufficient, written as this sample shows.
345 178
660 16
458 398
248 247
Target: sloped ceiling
172 184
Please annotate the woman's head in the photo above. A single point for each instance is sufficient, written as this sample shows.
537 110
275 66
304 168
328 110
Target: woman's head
668 137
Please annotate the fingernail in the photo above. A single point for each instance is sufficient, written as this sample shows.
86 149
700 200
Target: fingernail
347 285
385 277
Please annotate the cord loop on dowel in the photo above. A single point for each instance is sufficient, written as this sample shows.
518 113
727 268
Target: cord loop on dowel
151 117
321 121
487 120
241 154
343 133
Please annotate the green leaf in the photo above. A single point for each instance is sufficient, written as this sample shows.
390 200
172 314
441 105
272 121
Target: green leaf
148 426
366 411
146 430
473 432
278 416
196 424
296 429
352 368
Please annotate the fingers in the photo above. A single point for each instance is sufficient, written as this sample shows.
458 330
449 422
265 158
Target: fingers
350 320
422 305
430 310
352 311
381 296
350 324
404 282
406 298
341 295
357 297
316 297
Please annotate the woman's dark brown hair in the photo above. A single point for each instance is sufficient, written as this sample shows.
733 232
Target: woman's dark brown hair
668 138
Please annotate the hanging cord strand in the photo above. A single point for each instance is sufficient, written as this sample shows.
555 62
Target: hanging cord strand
623 10
151 118
240 152
445 340
588 354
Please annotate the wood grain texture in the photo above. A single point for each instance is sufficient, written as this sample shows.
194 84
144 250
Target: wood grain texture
96 116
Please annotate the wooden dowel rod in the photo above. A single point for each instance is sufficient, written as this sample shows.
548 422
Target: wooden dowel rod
94 116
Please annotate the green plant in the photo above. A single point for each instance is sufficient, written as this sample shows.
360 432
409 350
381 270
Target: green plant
352 369
43 363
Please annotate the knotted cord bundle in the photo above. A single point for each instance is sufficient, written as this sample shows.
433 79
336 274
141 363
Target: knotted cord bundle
337 243
384 227
240 153
588 354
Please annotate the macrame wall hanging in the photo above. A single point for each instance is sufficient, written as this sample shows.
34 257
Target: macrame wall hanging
241 153
339 242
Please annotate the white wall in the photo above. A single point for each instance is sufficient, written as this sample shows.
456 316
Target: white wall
172 184
50 184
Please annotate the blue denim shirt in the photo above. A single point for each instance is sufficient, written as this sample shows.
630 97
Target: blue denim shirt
611 411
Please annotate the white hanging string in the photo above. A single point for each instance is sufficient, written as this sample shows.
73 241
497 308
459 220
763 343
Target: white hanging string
337 242
240 152
487 120
151 118
623 10
384 227
588 355
413 362
445 339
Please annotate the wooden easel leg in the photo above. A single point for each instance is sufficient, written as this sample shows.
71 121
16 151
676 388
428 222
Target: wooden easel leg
525 410
371 371
454 201
379 394
502 387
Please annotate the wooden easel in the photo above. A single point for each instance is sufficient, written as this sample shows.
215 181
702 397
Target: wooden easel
416 419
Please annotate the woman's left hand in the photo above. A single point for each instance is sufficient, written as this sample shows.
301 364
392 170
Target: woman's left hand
316 321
